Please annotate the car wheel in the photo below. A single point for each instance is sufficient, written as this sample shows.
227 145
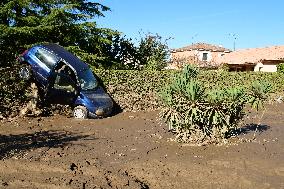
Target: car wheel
25 72
80 112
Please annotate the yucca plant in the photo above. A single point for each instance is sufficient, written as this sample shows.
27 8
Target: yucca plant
200 115
182 99
259 92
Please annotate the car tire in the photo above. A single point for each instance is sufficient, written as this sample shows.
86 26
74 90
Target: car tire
80 112
25 72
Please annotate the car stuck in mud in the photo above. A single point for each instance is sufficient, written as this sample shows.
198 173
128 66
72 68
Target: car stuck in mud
64 79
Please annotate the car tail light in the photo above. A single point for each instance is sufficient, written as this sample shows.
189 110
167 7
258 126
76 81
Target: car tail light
25 52
20 58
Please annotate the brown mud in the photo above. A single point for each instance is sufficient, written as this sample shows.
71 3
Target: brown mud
133 150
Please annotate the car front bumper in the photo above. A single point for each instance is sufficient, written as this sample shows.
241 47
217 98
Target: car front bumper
100 112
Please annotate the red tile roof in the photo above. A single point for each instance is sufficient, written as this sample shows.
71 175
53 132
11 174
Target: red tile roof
203 46
253 55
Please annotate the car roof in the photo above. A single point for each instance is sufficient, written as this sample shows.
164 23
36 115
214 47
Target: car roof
70 58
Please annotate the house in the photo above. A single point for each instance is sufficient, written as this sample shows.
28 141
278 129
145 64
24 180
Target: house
202 54
254 59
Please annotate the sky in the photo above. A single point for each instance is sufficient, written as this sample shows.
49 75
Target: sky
248 23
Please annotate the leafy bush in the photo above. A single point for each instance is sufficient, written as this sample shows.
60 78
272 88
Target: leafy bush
224 67
280 68
201 116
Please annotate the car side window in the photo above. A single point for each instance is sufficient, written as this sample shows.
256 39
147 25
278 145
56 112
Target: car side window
64 82
46 57
64 78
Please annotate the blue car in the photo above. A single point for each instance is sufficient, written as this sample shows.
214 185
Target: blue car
65 79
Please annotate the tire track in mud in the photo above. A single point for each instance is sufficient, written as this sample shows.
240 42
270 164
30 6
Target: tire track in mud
26 174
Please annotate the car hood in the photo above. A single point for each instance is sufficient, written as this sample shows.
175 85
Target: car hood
98 97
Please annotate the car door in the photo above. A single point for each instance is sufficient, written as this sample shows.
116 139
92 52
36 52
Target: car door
62 90
43 63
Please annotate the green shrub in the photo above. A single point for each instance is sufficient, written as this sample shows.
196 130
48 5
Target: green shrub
201 116
224 67
280 68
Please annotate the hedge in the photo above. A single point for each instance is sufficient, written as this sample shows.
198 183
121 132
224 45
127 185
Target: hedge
135 90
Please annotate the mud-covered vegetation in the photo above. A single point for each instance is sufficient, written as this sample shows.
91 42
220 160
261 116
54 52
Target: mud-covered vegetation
12 93
15 94
135 90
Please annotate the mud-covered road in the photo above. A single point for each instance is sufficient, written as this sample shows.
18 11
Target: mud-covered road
133 150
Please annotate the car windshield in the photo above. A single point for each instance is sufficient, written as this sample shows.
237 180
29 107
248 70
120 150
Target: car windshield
88 80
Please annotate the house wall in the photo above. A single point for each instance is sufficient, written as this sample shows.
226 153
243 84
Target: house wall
212 56
200 55
265 67
183 55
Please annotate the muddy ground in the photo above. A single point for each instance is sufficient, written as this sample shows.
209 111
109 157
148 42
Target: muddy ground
133 150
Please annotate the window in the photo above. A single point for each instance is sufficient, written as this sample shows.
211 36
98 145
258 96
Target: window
205 57
64 82
88 80
46 57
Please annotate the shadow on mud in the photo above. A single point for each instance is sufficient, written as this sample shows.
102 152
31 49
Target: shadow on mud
16 145
248 128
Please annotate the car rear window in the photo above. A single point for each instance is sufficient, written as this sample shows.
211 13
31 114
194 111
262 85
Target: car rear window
46 57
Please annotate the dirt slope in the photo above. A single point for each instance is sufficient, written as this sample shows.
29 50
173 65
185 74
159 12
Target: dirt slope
133 150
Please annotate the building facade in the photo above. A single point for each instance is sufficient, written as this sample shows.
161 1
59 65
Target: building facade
212 56
255 59
202 54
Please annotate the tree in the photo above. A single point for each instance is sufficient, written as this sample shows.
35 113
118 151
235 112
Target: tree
67 22
150 53
122 54
153 52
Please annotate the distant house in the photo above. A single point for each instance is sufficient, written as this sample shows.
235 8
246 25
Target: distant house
255 59
202 54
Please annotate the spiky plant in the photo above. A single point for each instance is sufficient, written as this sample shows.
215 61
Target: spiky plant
259 93
182 99
199 115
